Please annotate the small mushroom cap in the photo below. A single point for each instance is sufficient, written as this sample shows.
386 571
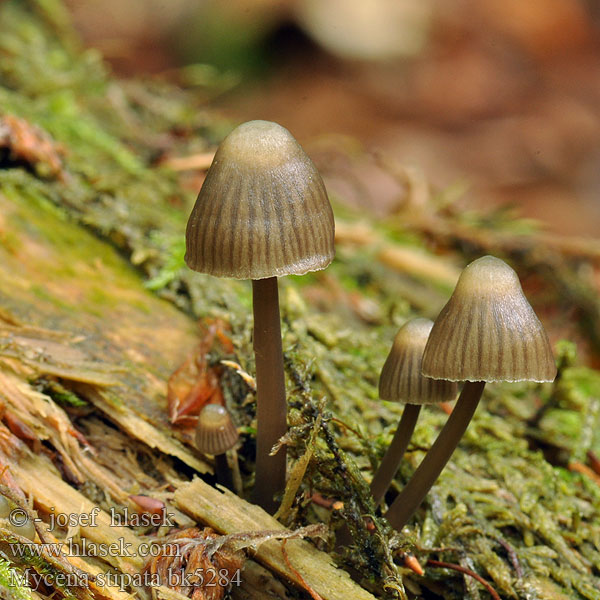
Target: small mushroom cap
26 529
263 210
401 378
5 507
488 331
215 432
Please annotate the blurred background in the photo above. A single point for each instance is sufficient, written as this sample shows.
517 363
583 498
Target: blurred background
498 98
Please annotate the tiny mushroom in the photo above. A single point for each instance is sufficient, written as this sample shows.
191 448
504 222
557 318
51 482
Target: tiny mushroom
216 434
486 332
401 381
17 522
5 507
262 213
25 529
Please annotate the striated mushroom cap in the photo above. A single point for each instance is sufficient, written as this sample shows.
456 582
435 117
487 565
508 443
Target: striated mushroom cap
263 210
401 378
215 432
488 331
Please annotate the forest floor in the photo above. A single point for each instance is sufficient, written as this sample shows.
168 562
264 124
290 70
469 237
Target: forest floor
103 331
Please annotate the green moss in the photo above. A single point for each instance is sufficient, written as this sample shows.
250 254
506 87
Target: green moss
59 393
42 293
13 583
10 241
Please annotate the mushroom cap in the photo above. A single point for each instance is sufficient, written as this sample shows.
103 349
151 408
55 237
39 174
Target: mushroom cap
215 432
401 378
262 211
5 507
488 331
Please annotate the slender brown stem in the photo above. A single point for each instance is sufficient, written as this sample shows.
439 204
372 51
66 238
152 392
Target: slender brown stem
223 472
389 465
391 461
414 492
271 410
444 565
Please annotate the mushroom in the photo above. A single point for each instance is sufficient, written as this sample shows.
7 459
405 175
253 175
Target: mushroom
486 332
5 507
262 213
401 381
216 434
18 521
25 529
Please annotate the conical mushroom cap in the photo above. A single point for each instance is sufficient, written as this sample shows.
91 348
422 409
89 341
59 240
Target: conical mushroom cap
401 378
215 432
263 210
488 331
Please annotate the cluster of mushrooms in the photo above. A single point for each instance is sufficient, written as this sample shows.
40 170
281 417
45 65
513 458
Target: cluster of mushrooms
262 213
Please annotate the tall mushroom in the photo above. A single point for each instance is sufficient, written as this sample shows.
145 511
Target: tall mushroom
486 332
401 381
262 213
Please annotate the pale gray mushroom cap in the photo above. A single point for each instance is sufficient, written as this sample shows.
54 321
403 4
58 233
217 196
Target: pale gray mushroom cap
215 432
263 210
401 378
488 331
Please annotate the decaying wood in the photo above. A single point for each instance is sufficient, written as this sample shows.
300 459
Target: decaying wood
95 343
38 480
35 410
405 259
140 429
36 340
227 513
259 584
52 495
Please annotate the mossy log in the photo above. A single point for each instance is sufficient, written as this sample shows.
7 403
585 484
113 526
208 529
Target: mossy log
117 344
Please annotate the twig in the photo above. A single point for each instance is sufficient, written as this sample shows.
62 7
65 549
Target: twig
446 407
332 503
226 513
594 461
578 467
451 229
512 555
454 567
411 562
347 427
189 163
305 585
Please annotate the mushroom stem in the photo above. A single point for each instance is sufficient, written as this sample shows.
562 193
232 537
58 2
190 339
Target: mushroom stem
271 409
223 472
414 492
389 465
391 461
